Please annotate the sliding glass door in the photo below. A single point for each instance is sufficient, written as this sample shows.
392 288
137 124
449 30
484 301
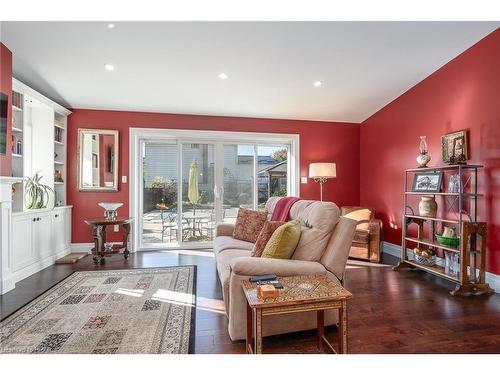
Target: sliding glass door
198 218
187 187
238 180
251 174
160 174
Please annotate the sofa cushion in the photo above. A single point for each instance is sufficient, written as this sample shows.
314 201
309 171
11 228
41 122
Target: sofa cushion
283 242
271 205
264 236
248 225
224 261
223 243
318 220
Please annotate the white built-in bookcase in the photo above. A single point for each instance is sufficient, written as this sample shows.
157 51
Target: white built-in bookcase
39 134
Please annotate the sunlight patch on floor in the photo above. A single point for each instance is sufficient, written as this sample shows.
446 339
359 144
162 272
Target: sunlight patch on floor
199 253
130 292
353 264
170 296
210 304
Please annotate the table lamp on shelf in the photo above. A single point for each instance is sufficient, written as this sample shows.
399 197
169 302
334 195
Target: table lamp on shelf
320 172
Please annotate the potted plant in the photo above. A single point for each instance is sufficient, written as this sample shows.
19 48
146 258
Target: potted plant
37 193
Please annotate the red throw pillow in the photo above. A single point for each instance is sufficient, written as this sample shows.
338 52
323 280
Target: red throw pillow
248 225
264 236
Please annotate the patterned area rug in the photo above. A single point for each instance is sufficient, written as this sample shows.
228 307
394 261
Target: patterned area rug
104 312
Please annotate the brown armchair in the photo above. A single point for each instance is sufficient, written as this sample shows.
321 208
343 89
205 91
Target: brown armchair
366 242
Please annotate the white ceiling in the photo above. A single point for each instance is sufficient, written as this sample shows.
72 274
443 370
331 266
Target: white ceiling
174 66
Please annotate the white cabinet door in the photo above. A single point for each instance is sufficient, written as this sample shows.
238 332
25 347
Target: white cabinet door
23 254
42 147
42 235
59 230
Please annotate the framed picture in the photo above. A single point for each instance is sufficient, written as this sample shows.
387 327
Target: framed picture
454 147
429 182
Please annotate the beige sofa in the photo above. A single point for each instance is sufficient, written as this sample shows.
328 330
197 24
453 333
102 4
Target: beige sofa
323 249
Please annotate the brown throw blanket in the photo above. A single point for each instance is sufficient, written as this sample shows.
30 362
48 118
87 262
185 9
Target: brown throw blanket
283 207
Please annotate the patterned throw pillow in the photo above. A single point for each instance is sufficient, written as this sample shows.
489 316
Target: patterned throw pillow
264 236
249 224
283 242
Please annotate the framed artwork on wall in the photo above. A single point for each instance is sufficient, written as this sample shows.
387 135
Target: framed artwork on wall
428 182
454 147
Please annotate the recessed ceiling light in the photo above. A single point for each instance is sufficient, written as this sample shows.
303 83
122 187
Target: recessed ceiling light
223 76
317 83
111 25
109 67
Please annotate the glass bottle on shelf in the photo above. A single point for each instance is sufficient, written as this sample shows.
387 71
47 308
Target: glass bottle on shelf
423 145
447 263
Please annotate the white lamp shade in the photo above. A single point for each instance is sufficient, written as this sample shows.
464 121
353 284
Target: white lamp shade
325 170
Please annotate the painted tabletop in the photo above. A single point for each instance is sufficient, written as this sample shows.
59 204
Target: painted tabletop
297 290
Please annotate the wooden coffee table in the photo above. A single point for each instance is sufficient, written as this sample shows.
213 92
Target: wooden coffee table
300 293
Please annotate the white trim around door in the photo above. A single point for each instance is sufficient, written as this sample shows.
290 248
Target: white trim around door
218 138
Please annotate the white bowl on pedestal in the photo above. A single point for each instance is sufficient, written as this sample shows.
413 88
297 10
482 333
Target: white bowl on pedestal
110 209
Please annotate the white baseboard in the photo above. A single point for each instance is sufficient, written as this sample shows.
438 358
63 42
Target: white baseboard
81 247
395 250
7 285
86 247
38 266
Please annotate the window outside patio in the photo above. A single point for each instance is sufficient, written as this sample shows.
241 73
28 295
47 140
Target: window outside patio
197 223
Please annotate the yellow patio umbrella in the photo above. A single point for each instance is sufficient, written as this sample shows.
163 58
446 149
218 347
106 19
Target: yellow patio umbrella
193 190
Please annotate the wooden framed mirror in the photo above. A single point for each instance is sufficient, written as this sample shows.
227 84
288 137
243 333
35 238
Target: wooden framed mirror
98 155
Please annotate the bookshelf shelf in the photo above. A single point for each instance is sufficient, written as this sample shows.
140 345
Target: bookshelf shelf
469 270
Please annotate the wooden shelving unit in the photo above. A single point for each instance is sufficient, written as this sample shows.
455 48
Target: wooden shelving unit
456 209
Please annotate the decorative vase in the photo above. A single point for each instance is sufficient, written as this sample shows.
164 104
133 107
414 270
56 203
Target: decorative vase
424 156
427 207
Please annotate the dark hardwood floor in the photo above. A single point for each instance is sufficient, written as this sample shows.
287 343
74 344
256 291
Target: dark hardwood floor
391 312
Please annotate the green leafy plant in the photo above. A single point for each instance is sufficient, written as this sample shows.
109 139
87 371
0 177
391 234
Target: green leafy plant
37 194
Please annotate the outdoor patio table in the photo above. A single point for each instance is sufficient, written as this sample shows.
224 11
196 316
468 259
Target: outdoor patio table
193 218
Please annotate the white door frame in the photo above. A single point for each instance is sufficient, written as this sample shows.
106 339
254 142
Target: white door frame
139 135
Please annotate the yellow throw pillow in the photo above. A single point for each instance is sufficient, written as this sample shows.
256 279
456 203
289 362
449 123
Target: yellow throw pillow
283 242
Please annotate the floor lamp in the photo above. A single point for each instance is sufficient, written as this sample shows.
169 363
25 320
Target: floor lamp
320 172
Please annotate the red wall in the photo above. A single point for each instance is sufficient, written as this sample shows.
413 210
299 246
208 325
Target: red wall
463 94
319 141
6 88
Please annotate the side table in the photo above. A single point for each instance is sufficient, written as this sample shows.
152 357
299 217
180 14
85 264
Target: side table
99 233
300 293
